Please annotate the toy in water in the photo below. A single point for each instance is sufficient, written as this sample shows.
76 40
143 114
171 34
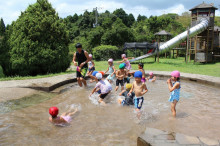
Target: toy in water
78 69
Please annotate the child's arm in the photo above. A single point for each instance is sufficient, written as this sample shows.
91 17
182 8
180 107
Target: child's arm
154 79
114 71
121 61
176 86
93 64
145 89
132 88
122 92
93 91
107 70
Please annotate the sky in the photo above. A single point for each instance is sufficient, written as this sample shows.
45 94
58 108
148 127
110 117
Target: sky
11 9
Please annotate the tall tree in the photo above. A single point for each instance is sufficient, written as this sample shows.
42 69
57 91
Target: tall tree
120 13
2 27
38 42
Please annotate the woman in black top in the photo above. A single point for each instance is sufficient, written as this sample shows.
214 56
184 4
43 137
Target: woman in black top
83 58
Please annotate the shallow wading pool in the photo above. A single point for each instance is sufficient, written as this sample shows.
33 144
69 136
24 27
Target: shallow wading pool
25 121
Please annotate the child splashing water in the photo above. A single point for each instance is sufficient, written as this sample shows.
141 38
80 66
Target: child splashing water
111 71
91 65
139 89
104 86
175 90
63 119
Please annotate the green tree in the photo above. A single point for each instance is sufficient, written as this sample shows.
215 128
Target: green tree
131 20
141 18
118 35
2 27
120 13
38 42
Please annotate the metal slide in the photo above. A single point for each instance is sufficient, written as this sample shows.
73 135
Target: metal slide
204 23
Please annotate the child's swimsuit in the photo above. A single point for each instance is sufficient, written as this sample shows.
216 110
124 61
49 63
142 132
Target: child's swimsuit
128 65
127 80
110 71
138 101
143 80
121 82
175 94
90 65
67 118
128 99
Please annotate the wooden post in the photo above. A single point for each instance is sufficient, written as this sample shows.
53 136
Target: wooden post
187 45
190 45
158 53
195 47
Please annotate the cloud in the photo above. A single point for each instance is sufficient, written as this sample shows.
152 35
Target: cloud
11 9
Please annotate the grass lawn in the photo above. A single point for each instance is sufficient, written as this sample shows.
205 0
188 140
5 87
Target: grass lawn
3 78
166 64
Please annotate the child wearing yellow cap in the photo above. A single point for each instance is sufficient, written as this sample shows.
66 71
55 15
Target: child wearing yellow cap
128 99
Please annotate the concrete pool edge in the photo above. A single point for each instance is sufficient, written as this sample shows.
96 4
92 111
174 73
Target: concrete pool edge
155 137
51 83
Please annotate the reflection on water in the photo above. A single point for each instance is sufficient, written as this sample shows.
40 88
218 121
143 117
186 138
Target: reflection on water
110 124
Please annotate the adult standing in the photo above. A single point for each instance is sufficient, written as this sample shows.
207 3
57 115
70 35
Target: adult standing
83 58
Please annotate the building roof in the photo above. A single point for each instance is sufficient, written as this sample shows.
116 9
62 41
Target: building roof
203 6
162 32
216 28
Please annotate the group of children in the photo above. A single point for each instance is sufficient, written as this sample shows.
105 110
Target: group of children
133 94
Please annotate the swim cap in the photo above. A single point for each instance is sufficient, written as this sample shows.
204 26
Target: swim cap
78 45
128 86
94 73
53 111
99 76
175 74
123 55
138 74
121 66
90 55
110 60
102 73
151 73
124 64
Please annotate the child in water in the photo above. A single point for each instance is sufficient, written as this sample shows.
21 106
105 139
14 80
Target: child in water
139 89
151 77
128 99
126 61
175 90
93 77
140 67
91 65
63 119
120 75
104 86
111 71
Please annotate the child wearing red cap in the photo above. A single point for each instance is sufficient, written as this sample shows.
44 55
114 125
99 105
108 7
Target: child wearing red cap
63 119
175 90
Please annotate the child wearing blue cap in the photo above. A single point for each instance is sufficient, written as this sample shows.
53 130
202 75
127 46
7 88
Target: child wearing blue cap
139 89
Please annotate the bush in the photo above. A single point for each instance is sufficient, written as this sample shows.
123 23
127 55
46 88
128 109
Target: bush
104 52
38 42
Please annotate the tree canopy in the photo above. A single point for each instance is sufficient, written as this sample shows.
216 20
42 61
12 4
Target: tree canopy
37 42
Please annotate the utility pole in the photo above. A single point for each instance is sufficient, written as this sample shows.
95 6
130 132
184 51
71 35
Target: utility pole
96 17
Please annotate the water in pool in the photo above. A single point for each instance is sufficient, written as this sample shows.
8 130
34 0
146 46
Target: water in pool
198 114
